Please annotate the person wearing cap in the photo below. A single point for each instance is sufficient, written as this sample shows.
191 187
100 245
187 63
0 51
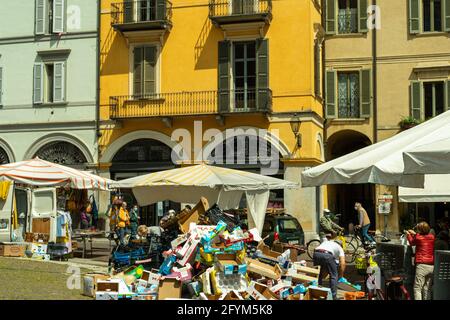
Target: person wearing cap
327 226
331 258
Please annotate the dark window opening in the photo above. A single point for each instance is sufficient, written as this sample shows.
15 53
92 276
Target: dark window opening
244 68
432 15
434 99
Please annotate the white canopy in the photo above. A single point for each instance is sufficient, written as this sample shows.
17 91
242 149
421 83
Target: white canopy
431 156
219 185
382 163
38 172
437 189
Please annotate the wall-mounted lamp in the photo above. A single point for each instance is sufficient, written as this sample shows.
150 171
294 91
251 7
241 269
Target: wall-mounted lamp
295 126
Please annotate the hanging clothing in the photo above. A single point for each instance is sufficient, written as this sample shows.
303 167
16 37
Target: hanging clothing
4 189
94 211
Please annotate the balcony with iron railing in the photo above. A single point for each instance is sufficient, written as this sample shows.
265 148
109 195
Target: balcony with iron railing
141 15
190 103
240 11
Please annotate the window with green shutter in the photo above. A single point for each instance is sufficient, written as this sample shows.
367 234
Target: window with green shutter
39 20
58 16
262 66
416 100
362 9
224 55
330 16
38 83
446 11
144 70
58 82
414 16
330 94
366 93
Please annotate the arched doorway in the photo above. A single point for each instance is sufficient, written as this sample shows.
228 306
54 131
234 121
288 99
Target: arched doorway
341 198
4 159
63 153
253 154
139 157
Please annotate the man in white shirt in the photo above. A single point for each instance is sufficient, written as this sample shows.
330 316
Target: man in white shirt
329 256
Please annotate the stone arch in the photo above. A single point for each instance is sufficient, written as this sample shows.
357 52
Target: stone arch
120 142
59 137
7 152
268 136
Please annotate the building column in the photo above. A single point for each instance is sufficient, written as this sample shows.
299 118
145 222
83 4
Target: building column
393 226
305 204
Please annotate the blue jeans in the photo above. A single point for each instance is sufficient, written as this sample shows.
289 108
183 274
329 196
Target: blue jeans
365 234
121 235
328 264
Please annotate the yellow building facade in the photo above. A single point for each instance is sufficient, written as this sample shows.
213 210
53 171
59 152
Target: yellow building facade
172 68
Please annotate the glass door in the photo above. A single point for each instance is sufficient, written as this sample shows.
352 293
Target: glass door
244 72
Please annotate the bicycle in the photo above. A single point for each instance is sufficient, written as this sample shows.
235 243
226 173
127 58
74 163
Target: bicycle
349 249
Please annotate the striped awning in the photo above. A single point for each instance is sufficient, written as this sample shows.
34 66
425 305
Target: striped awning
203 175
38 172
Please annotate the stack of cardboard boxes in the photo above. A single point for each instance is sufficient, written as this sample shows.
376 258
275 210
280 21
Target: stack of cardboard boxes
211 262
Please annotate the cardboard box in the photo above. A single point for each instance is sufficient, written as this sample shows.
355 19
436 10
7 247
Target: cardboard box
194 215
190 252
114 286
318 293
265 249
169 288
38 248
12 250
230 263
304 275
90 283
282 247
258 291
150 277
264 269
222 283
205 278
102 295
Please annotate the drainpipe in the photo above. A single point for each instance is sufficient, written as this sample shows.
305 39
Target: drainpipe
97 97
375 81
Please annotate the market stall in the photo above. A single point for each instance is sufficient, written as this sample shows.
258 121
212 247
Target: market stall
36 200
219 185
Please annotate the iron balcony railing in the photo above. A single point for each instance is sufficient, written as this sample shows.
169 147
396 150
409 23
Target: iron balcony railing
190 103
223 8
129 12
348 22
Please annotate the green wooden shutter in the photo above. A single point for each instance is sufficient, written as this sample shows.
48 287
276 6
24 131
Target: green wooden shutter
58 82
39 21
150 70
416 100
262 69
224 76
447 89
137 71
161 10
414 16
38 83
128 11
330 95
1 85
446 10
366 92
330 20
362 6
58 16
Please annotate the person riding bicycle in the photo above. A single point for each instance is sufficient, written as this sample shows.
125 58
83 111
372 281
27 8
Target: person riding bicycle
364 223
328 226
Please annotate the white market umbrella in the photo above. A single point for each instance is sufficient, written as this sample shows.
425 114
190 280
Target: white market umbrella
382 163
38 172
431 158
219 185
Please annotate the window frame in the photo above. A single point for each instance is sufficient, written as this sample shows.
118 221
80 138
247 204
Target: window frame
423 106
348 72
155 44
233 73
348 12
432 17
44 82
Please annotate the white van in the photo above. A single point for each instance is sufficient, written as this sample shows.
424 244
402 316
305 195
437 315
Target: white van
36 203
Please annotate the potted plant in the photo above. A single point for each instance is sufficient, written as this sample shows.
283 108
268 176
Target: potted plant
408 122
